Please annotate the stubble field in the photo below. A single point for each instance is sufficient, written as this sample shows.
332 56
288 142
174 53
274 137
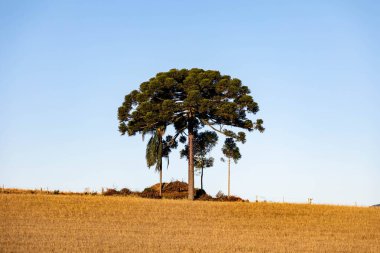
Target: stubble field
64 223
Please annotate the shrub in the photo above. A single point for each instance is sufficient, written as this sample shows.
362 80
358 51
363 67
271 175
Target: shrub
220 195
110 192
125 191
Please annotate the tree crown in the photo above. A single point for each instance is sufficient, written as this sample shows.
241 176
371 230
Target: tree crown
202 97
231 150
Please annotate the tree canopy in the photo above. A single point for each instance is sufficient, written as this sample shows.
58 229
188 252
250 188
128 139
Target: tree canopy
190 99
231 150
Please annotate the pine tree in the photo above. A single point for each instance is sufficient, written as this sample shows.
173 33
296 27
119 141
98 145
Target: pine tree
231 151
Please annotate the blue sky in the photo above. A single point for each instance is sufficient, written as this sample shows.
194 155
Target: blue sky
313 67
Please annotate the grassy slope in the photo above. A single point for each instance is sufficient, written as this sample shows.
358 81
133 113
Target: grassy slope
45 223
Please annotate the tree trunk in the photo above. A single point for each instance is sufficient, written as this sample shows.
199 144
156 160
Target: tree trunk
229 164
160 134
191 160
161 180
202 178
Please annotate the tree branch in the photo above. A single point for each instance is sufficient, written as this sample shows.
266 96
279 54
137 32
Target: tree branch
210 125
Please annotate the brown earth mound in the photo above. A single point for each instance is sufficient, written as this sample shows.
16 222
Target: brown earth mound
150 193
178 190
176 186
172 190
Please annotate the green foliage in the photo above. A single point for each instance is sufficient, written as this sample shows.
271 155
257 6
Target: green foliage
203 144
158 148
174 97
153 150
231 150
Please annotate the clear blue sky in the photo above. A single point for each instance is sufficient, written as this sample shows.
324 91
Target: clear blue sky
313 67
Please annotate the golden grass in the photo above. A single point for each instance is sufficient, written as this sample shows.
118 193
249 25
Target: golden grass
74 223
39 191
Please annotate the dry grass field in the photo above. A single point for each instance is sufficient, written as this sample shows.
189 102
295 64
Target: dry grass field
73 223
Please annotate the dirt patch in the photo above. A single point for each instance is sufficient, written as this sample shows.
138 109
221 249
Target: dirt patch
150 193
172 190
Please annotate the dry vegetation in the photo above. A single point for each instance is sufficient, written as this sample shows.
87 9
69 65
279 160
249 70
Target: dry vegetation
74 223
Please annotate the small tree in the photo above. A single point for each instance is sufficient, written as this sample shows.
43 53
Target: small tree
203 144
231 151
156 149
201 164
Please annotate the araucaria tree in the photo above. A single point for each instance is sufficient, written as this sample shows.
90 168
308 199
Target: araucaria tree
189 99
231 151
203 144
142 112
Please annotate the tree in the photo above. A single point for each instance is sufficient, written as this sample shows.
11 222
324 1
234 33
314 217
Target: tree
203 144
202 163
231 151
189 99
156 149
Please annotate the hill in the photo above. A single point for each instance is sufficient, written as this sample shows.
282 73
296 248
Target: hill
86 223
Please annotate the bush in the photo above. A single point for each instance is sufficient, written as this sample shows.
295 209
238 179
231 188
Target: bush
125 191
220 195
110 192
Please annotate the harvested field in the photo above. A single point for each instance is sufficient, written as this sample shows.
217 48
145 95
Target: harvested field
75 223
